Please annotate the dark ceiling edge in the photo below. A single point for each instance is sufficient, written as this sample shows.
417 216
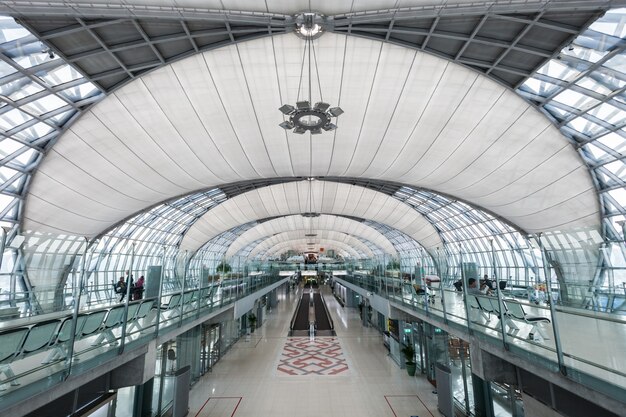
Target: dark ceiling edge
117 11
240 187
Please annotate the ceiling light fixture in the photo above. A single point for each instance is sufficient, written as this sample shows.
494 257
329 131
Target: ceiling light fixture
304 116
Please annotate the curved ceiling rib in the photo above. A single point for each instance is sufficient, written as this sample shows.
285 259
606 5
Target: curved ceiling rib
341 250
327 198
309 244
299 246
297 237
310 226
466 136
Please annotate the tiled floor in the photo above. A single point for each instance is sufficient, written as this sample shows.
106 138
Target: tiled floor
373 385
303 356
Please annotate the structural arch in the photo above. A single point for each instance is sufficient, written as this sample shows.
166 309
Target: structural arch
310 226
468 136
297 238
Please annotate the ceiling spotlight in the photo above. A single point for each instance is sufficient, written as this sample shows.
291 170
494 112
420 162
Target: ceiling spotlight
335 111
287 124
321 106
286 109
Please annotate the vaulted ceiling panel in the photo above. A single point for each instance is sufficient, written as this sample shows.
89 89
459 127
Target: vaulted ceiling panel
410 118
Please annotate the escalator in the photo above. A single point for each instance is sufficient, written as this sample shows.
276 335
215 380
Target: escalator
311 308
323 321
300 321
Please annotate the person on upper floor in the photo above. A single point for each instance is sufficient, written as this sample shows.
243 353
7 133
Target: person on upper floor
120 288
491 285
474 288
138 288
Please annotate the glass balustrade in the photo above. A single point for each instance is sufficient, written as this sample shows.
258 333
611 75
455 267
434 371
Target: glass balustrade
535 323
97 324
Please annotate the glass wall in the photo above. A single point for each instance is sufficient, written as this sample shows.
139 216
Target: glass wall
535 322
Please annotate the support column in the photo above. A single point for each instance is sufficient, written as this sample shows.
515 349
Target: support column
259 315
143 399
483 404
272 298
153 281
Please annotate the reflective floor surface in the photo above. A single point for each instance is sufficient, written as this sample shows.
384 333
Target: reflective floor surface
246 382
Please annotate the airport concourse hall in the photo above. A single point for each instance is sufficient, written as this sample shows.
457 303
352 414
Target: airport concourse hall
303 208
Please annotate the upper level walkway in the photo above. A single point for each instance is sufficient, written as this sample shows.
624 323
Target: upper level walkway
570 347
53 352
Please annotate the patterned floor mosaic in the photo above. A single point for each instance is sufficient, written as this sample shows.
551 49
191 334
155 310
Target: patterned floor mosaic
322 356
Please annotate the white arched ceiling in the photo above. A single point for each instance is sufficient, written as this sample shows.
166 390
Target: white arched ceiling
300 246
298 237
323 222
212 118
327 198
340 249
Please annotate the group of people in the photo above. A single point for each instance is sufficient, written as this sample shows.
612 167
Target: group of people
136 288
486 286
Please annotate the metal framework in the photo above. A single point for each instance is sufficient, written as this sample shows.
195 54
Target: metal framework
57 60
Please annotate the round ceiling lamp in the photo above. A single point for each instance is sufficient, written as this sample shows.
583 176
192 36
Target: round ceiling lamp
303 116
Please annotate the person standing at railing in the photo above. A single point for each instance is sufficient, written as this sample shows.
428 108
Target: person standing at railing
138 289
120 288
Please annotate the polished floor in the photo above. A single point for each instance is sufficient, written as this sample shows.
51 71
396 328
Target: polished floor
248 382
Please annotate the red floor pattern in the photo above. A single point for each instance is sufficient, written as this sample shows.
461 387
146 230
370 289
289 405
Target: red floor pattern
323 356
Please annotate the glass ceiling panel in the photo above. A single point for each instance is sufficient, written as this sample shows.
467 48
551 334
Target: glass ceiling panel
44 105
576 100
558 70
617 63
588 101
10 30
5 69
609 113
614 141
31 111
30 55
593 85
163 225
21 88
613 23
585 50
586 127
33 132
543 88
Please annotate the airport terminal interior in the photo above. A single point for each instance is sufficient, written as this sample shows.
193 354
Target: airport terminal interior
381 208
